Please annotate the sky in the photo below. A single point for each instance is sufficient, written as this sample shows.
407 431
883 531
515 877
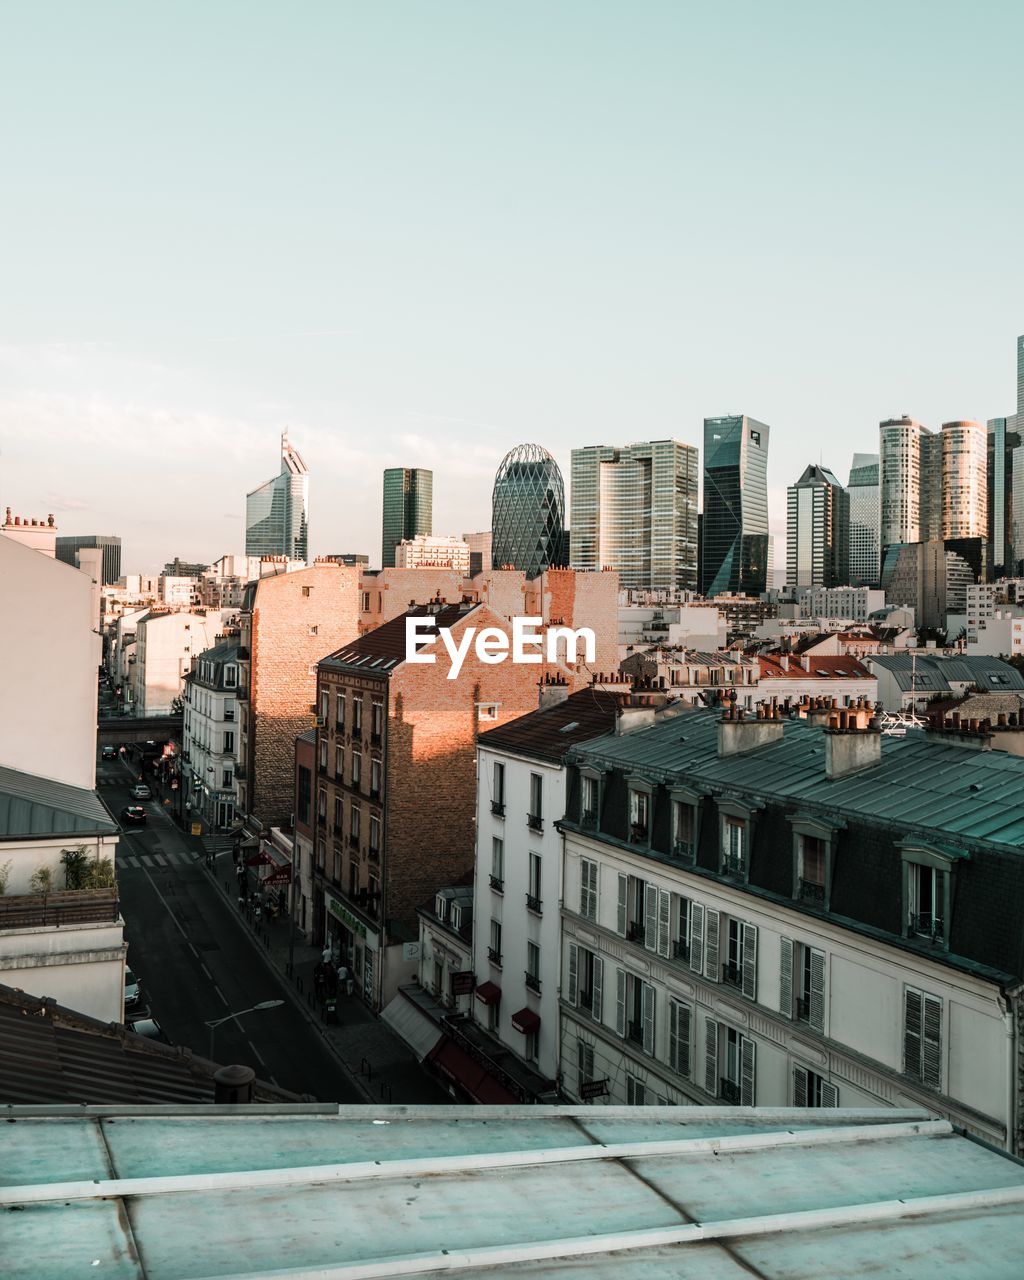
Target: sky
421 233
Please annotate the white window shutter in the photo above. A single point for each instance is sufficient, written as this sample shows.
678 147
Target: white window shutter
651 917
696 938
786 977
711 1057
800 1087
648 1016
829 1094
711 925
750 961
664 922
620 1001
912 1033
574 969
620 920
747 1053
817 1011
595 1008
682 1062
673 1034
931 1042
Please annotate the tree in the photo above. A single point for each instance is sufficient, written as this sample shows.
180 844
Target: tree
76 867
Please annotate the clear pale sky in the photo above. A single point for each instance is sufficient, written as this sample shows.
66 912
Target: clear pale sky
421 233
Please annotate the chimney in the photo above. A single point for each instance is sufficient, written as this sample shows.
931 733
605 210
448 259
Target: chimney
633 714
853 741
233 1086
784 661
553 690
737 734
975 735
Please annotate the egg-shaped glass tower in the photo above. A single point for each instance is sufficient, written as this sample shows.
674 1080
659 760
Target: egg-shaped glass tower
528 512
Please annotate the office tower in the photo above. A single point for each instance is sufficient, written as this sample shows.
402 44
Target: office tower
528 512
964 480
865 517
735 527
817 530
479 551
634 509
899 441
408 508
277 513
1003 439
110 546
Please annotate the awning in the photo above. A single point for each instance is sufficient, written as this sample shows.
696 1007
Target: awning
412 1024
250 842
449 1060
526 1021
488 993
259 859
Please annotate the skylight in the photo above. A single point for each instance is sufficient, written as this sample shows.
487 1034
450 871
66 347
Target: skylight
566 728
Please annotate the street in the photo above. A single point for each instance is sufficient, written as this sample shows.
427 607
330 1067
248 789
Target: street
197 960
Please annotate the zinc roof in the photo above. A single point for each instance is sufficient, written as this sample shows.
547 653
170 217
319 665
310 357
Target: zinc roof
33 806
921 783
608 1192
383 649
548 734
936 673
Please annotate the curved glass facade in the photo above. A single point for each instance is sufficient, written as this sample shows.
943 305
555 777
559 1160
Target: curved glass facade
734 553
528 512
277 513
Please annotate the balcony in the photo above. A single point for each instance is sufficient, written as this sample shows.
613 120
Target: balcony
353 842
497 884
240 769
373 853
321 820
638 833
733 868
532 981
636 932
588 819
494 956
682 850
533 904
587 1001
803 1010
810 892
535 822
681 950
732 975
930 927
497 808
729 1092
59 910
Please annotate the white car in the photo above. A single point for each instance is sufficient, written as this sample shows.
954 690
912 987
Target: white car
132 990
141 792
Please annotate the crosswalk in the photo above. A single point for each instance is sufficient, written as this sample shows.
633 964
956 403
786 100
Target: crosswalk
217 843
156 858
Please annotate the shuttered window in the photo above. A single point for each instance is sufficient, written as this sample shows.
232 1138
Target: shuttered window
588 889
922 1037
696 937
679 1024
585 1062
810 1090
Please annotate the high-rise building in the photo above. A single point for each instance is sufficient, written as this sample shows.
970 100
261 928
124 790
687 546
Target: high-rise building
277 513
634 509
67 546
865 518
817 530
900 480
479 551
964 480
528 512
1003 439
408 508
734 555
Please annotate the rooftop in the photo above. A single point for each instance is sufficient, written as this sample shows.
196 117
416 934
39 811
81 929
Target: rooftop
822 667
34 806
548 734
921 673
617 1192
383 649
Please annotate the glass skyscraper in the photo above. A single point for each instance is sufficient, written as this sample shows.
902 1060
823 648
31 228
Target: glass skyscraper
67 548
408 508
817 530
277 513
734 550
1005 495
865 521
634 509
528 512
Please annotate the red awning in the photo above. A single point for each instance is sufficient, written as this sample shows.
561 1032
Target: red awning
526 1021
488 993
259 859
451 1061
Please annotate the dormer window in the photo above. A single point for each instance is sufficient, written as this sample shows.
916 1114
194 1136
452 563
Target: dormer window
929 874
639 816
456 917
590 798
441 907
230 677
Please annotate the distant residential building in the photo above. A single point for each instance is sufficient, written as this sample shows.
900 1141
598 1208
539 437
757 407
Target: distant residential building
697 626
305 835
841 679
735 523
909 681
277 512
634 509
865 520
177 593
165 646
528 512
211 733
349 558
855 603
408 508
178 568
479 551
67 545
817 531
694 677
743 614
38 535
930 577
423 552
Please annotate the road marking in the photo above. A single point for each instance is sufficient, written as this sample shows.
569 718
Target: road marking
159 857
255 1051
193 950
205 970
130 862
220 993
167 908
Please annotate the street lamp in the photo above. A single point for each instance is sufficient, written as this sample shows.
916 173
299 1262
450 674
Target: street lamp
218 1022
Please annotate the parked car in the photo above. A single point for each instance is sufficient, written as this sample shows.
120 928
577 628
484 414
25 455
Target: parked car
150 1028
132 990
134 815
109 753
141 792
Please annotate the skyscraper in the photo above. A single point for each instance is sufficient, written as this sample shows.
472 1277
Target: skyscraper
408 508
277 513
817 531
899 451
865 516
67 547
1005 498
964 480
634 509
528 512
735 526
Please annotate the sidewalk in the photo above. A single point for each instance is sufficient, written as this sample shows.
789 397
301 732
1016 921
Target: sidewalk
381 1065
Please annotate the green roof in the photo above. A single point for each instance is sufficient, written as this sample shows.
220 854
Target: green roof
921 783
32 806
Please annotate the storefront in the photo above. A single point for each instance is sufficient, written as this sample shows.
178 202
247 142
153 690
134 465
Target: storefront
354 944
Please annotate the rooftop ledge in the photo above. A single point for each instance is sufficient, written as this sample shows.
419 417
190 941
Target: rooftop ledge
59 910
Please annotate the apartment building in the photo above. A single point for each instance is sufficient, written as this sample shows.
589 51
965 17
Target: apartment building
210 735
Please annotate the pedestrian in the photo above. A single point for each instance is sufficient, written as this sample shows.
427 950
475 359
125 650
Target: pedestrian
327 954
318 979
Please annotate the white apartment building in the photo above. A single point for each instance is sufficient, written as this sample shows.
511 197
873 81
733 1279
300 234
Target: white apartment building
696 626
165 644
210 735
768 914
852 604
176 592
427 552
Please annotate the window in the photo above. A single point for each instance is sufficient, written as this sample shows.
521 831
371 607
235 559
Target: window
455 917
494 950
680 1022
588 889
634 1010
585 1064
323 755
498 864
357 769
728 1064
337 865
684 827
339 711
305 798
682 910
532 974
498 796
812 869
357 716
306 590
375 776
376 720
321 806
586 981
355 821
644 914
535 817
636 1091
227 778
339 762
811 1090
314 631
338 814
590 799
324 696
740 967
922 1037
353 879
639 816
229 711
533 898
733 847
230 677
374 833
487 711
928 896
229 741
320 854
